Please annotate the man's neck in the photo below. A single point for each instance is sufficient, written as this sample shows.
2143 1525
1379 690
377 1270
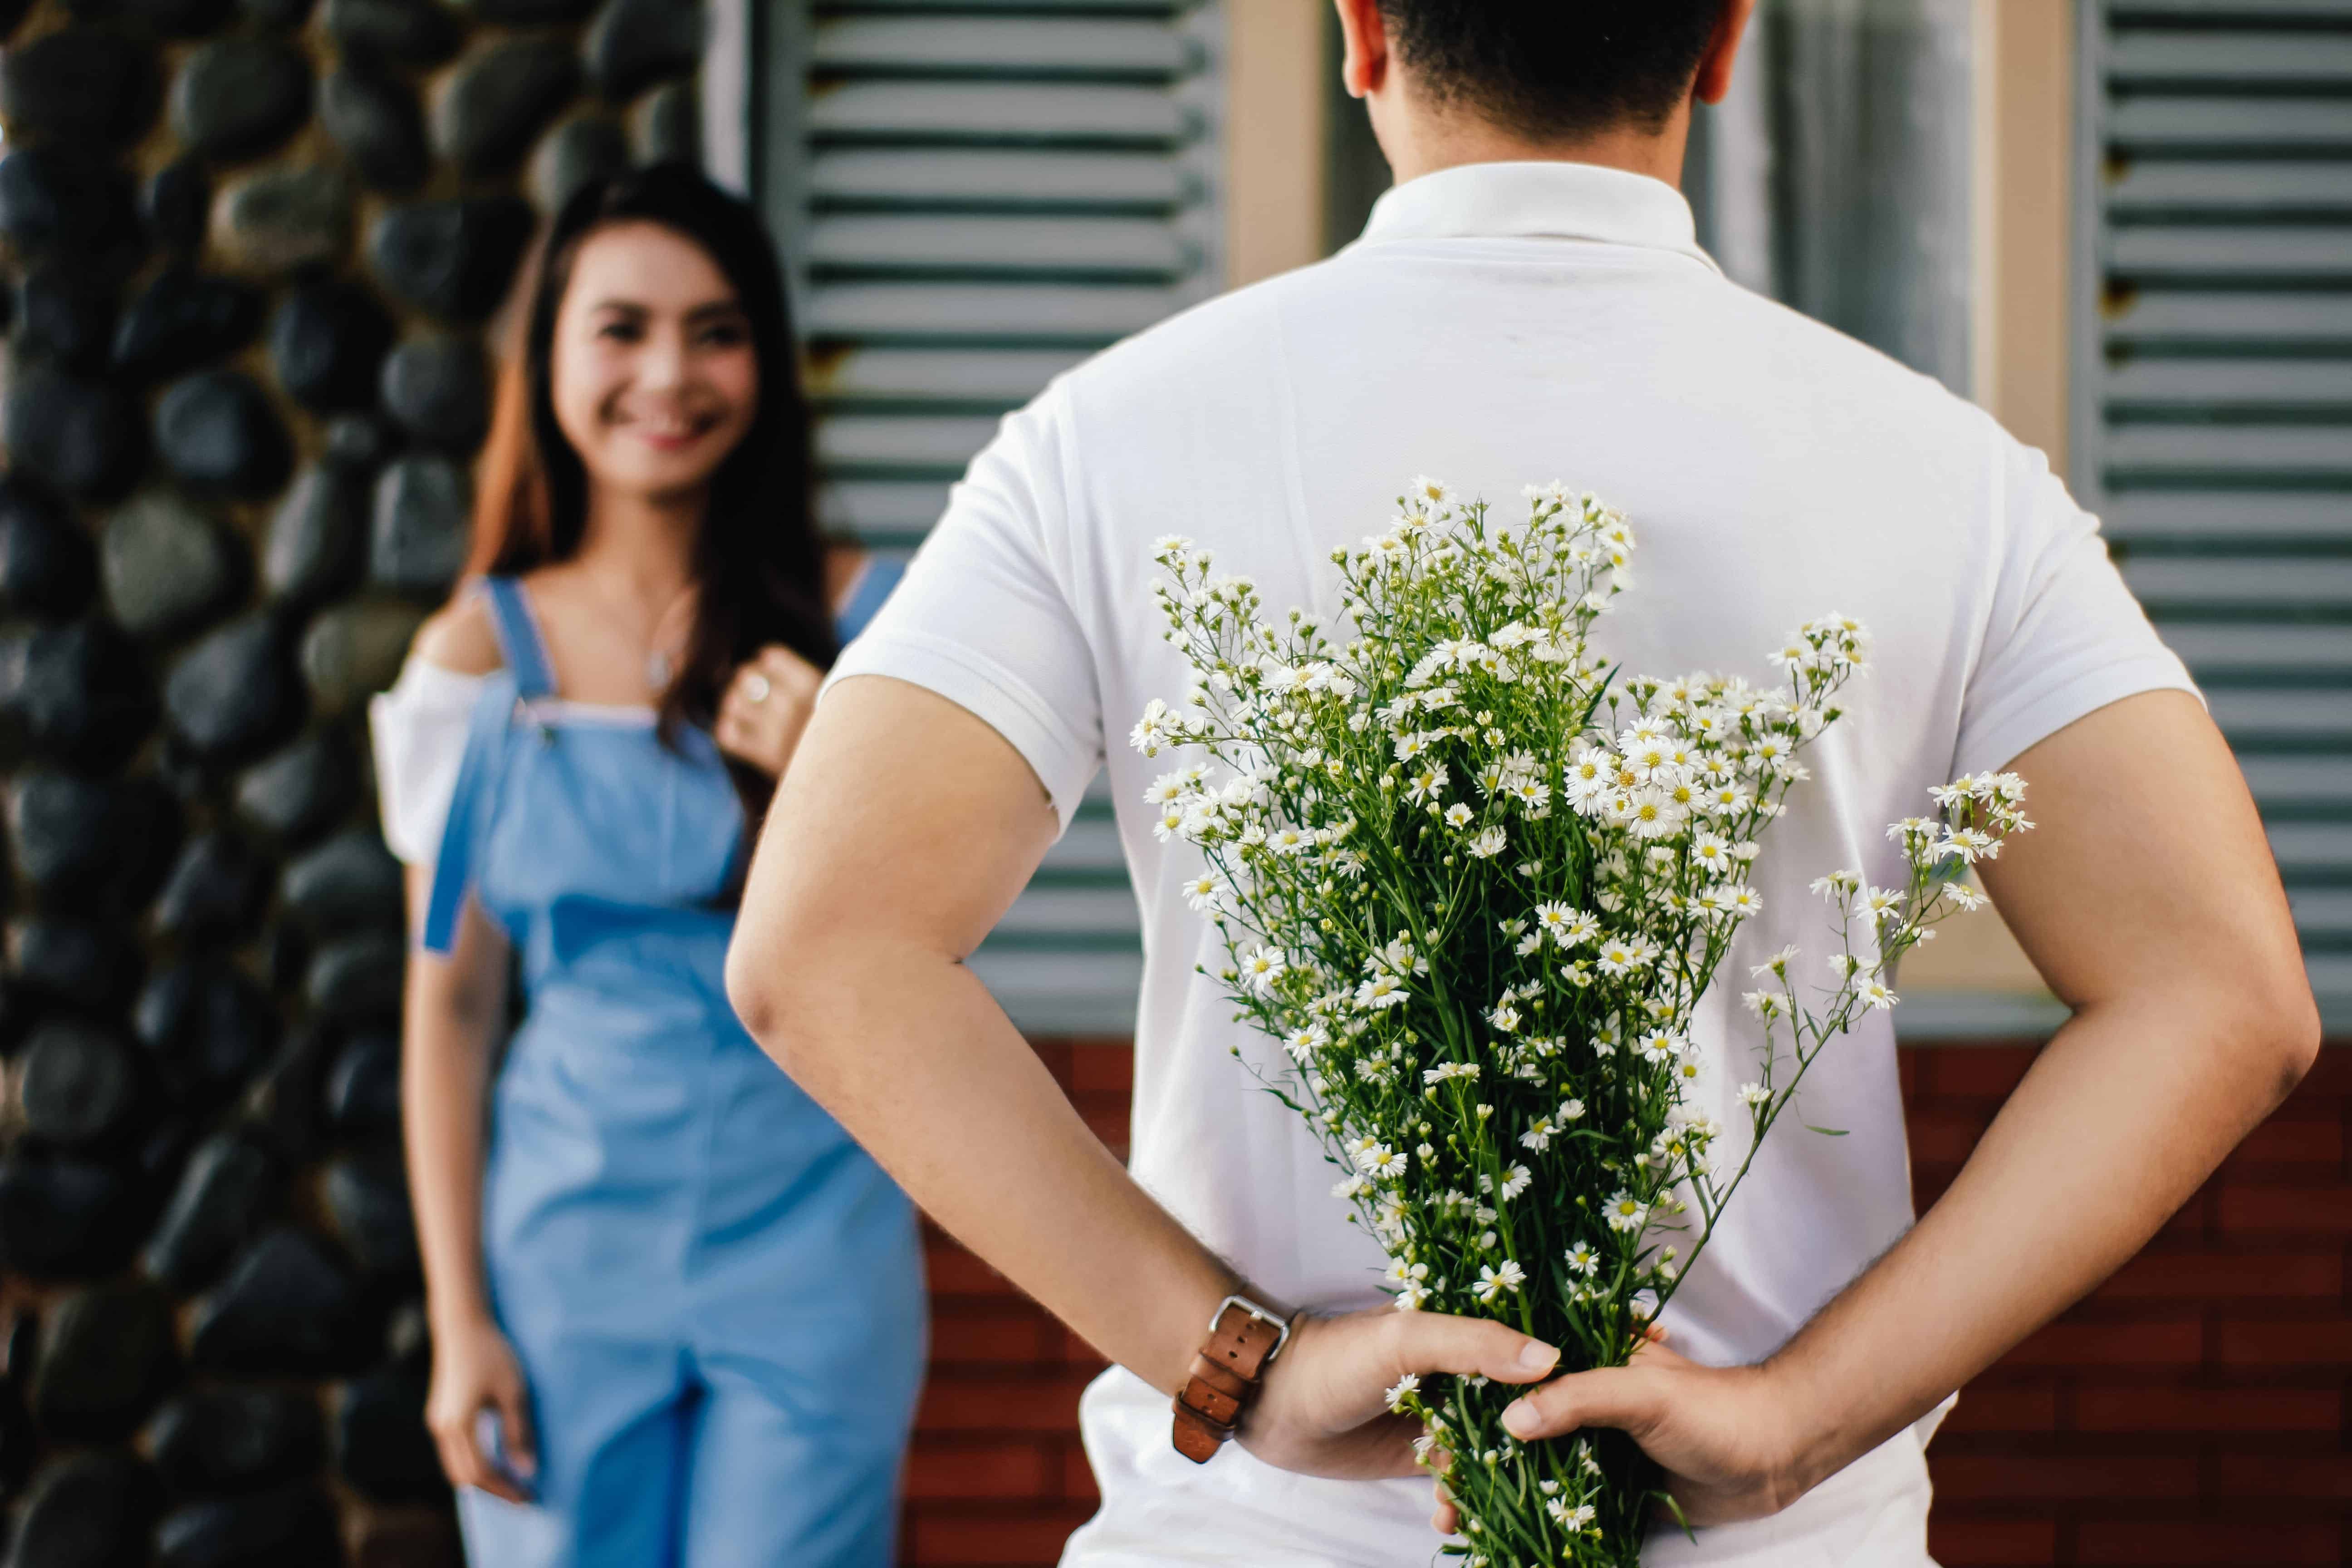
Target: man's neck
1454 139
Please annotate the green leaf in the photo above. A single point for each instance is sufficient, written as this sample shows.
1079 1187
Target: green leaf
1826 1131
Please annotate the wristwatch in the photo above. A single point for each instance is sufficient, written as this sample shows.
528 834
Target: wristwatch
1243 1340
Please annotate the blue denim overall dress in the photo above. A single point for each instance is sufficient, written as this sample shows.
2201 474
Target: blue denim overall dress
716 1296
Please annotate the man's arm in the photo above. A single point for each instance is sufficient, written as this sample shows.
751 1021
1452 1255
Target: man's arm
902 831
2147 898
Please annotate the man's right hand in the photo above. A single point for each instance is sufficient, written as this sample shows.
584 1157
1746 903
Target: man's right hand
1323 1409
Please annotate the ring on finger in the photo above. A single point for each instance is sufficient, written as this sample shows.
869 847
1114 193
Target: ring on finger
756 686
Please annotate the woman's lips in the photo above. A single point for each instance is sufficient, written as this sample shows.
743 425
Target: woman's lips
672 437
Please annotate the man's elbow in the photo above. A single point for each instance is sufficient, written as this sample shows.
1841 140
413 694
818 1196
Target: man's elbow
769 991
2264 1003
2295 1032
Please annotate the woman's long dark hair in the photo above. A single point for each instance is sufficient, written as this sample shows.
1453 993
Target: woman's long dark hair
758 563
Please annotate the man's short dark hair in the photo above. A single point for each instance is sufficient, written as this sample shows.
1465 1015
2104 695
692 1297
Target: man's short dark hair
1555 70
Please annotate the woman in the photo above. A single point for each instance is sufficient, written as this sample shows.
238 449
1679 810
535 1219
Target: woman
677 1313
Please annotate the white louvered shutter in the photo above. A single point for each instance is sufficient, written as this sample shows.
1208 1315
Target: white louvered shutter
973 195
2213 391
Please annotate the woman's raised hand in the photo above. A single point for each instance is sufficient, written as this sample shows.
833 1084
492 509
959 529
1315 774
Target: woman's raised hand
765 707
474 1369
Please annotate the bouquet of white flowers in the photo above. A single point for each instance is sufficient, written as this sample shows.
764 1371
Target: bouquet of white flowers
1476 886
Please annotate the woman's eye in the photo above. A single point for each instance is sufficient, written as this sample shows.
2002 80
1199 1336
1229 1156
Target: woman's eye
620 331
725 337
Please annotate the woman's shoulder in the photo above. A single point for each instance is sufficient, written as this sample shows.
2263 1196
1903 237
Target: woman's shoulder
460 637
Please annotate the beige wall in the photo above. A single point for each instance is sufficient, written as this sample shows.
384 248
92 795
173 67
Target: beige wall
1274 136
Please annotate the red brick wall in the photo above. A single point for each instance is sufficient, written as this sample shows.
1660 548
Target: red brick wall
2192 1412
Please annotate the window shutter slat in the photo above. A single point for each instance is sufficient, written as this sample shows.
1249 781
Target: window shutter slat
2213 411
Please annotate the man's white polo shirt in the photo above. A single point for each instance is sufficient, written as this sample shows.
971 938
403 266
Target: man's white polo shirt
1501 324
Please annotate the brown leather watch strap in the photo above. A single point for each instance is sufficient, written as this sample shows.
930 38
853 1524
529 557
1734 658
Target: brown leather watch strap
1224 1377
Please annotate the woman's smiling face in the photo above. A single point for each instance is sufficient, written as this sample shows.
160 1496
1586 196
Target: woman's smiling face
653 373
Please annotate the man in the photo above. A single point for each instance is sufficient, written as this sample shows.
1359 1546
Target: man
1528 303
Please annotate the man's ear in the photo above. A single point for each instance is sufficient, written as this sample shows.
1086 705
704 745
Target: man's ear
1364 47
1713 78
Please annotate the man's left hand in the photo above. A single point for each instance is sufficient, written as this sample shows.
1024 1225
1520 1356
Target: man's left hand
1723 1435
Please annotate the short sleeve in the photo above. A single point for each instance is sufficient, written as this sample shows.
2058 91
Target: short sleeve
2063 637
419 730
984 616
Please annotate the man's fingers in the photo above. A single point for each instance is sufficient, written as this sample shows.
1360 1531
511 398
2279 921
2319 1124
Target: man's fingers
1439 1342
1618 1396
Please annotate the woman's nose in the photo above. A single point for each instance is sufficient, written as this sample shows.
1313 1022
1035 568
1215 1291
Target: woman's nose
664 364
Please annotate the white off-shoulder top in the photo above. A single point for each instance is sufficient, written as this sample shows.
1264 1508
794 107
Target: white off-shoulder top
418 730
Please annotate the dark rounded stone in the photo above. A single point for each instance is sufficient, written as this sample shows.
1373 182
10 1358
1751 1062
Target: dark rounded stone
47 564
65 312
106 1355
169 18
360 442
177 205
291 1526
182 319
216 889
240 96
168 568
327 343
236 694
65 1219
91 843
367 1198
356 981
414 32
76 694
78 1085
374 117
20 1440
354 651
286 14
303 790
219 435
363 1086
381 1446
89 964
499 101
289 1307
317 549
287 948
231 1183
669 125
420 532
78 85
86 438
66 201
579 152
455 259
288 1102
528 12
89 1510
349 883
436 386
210 1026
280 220
234 1439
634 44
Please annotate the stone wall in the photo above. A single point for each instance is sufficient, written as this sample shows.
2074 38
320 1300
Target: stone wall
250 248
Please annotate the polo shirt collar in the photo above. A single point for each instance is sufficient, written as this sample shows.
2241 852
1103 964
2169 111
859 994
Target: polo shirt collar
1546 199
